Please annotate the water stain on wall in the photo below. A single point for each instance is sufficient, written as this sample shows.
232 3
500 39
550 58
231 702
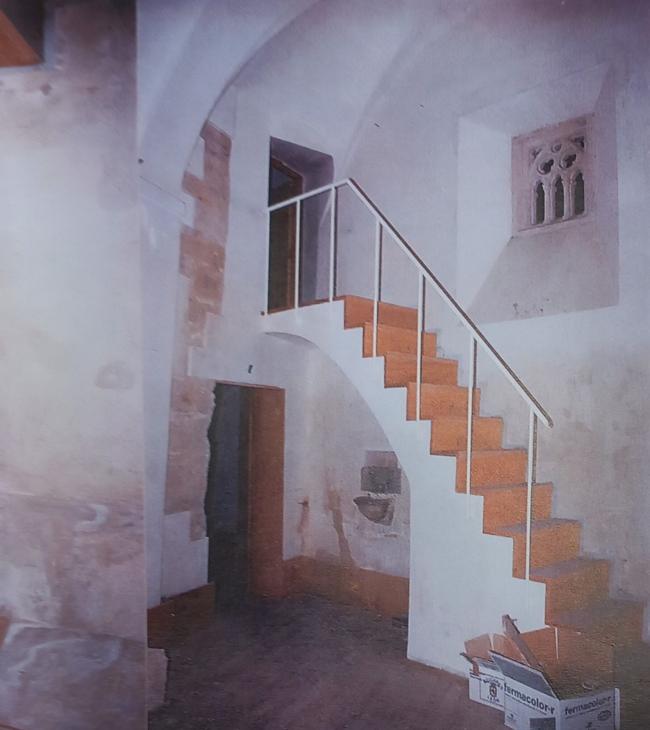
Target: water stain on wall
334 506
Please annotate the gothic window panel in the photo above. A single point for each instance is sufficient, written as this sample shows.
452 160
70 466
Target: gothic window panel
558 199
579 194
551 169
539 204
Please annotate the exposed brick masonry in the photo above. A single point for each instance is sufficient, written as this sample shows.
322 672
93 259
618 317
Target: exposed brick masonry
202 262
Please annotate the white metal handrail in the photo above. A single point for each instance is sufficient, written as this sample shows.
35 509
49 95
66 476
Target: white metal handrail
425 276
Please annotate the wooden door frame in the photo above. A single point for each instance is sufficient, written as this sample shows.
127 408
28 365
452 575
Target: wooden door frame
291 215
266 570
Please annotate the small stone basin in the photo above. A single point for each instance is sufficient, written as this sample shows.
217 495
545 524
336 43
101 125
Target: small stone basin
375 509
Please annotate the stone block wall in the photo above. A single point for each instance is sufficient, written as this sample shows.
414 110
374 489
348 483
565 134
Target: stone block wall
201 269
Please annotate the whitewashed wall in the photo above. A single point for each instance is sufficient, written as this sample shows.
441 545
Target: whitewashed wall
72 574
418 102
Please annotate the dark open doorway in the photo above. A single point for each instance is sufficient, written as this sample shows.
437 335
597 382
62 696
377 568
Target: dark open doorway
294 170
245 490
284 183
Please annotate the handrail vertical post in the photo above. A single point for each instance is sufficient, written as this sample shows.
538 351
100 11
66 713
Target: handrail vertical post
332 274
383 225
530 480
267 285
377 294
418 365
297 271
471 385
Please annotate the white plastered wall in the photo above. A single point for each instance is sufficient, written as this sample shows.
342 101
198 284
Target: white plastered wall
321 454
406 139
588 368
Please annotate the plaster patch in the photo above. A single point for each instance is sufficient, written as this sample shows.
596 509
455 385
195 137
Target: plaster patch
115 376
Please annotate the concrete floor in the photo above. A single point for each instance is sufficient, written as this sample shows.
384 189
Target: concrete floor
308 664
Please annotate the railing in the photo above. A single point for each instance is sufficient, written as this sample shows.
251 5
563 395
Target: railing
382 224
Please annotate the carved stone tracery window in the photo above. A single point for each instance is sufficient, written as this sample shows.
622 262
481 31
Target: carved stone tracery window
550 171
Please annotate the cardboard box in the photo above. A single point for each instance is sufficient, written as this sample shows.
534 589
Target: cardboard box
531 703
486 684
506 673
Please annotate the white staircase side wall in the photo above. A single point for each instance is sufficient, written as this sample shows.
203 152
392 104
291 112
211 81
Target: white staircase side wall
461 580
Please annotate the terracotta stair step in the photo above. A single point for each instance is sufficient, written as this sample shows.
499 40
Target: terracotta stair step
505 504
542 644
588 672
449 434
573 584
552 541
397 339
566 655
359 310
496 466
440 400
612 620
400 369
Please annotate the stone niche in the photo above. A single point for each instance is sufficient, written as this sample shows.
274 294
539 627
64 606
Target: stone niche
509 266
381 477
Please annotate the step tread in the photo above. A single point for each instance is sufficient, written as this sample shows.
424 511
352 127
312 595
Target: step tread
395 327
559 570
491 488
442 386
591 616
463 419
396 355
490 452
368 300
537 525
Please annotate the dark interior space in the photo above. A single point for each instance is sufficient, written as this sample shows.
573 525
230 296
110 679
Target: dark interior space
226 499
284 183
293 170
244 493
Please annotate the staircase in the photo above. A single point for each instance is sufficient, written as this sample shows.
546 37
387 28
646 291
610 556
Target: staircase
585 626
587 639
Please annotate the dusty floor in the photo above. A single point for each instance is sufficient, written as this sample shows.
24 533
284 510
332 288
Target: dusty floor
308 664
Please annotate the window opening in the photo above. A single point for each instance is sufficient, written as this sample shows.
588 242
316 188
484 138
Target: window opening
539 204
579 194
558 201
550 168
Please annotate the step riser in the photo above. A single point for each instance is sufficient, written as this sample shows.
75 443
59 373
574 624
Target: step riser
508 467
562 648
449 436
576 591
393 339
358 311
625 627
400 374
628 629
554 545
542 644
508 507
584 654
434 403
